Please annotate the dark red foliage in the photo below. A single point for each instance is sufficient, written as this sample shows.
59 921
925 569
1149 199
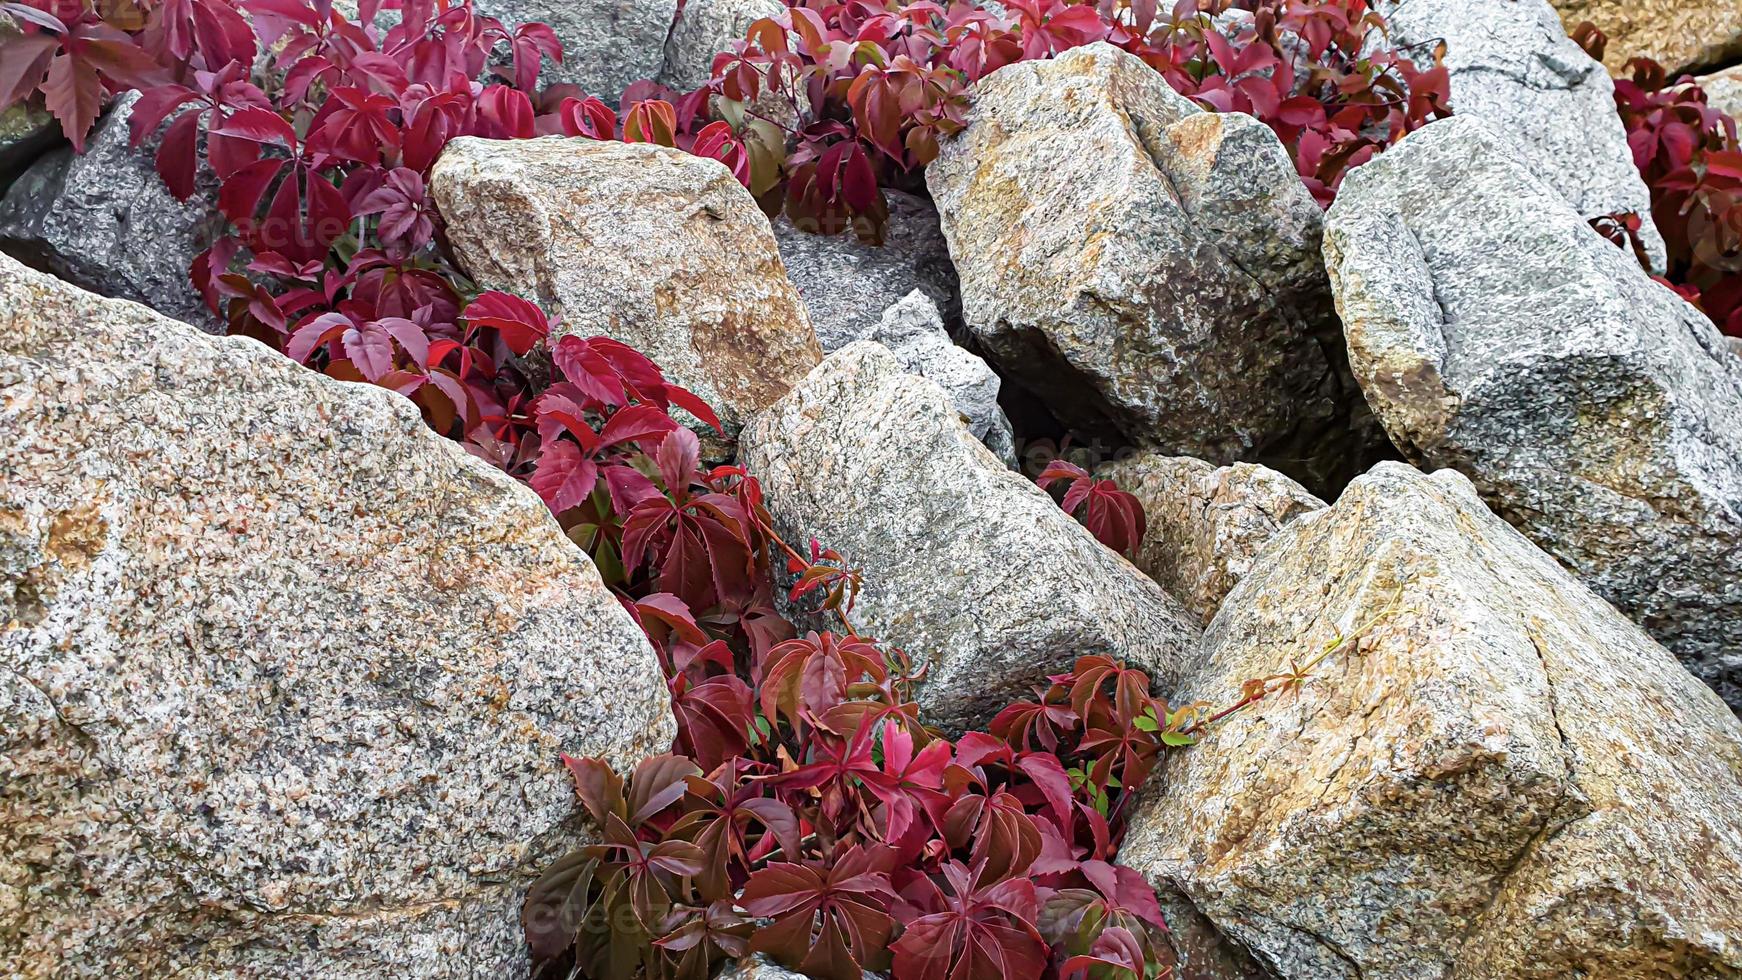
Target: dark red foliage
1691 160
1113 516
873 86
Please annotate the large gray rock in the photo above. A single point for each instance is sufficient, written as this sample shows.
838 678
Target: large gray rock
284 677
1495 333
652 246
607 44
704 29
1500 779
1148 269
1512 64
105 221
913 330
968 566
847 284
1206 524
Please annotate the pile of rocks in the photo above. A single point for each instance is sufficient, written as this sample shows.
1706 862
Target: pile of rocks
286 676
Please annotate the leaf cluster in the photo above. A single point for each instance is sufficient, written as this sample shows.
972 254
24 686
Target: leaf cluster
1690 157
845 836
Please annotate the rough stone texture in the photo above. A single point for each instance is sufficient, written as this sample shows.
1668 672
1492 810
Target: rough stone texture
1681 34
26 132
1495 333
1512 64
760 967
283 676
1735 344
1149 270
968 566
1201 952
1724 90
659 249
913 330
105 221
607 44
703 29
1206 523
1502 778
846 284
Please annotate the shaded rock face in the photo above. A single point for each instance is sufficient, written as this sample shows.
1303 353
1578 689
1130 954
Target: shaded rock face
26 132
284 677
1512 65
659 249
968 566
1495 333
705 28
1681 34
1500 778
105 221
847 284
1206 524
1149 270
607 44
913 330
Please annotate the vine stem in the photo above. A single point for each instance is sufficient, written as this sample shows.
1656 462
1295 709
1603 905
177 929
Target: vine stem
1299 675
802 560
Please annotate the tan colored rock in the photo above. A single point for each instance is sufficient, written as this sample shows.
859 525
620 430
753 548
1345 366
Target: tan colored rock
1502 777
1148 270
284 677
1680 34
654 247
968 566
1206 524
1724 91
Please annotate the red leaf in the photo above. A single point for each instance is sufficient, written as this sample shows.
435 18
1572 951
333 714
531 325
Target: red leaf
259 126
240 195
635 423
521 323
682 398
73 93
177 155
565 476
23 61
